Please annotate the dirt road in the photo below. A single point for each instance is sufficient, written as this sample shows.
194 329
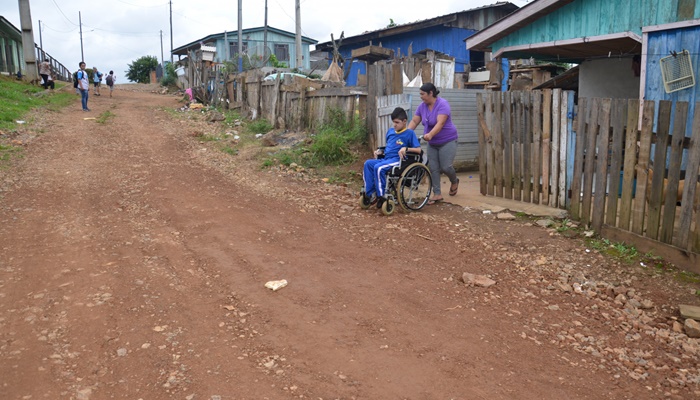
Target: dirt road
133 259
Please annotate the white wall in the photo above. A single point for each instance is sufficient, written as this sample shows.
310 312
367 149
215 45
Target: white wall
608 78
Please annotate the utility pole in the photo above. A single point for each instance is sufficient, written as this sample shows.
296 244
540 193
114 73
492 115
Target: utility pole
299 61
25 19
265 31
80 21
162 61
41 44
171 31
240 35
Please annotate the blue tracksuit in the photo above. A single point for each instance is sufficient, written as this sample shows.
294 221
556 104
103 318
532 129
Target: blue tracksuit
374 173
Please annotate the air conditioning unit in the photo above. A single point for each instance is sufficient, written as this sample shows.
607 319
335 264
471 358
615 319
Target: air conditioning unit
677 71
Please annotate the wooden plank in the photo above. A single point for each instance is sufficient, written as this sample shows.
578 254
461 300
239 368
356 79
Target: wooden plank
546 143
583 113
497 139
508 144
536 145
601 173
617 120
482 142
690 193
563 147
527 146
554 166
630 161
517 147
589 161
683 259
491 171
642 168
396 78
674 170
655 192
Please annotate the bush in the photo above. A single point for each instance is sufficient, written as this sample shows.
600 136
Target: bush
170 76
334 142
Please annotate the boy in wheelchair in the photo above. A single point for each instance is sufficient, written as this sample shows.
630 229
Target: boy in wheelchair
399 142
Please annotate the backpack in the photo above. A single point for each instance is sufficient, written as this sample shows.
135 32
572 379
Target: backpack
75 79
109 80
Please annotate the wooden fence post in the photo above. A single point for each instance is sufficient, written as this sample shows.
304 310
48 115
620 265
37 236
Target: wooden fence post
584 110
642 168
690 193
536 144
659 168
674 169
546 143
631 137
601 170
482 143
589 161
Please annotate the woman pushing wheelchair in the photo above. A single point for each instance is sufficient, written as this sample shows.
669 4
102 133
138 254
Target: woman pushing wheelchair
399 142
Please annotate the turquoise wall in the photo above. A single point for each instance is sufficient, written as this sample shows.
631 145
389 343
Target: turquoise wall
258 38
600 17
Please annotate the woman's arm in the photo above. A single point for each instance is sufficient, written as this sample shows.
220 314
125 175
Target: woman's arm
414 122
441 120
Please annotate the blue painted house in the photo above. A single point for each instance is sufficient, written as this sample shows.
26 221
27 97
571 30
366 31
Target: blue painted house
618 44
280 43
444 34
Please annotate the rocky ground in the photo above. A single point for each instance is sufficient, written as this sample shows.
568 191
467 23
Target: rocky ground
135 253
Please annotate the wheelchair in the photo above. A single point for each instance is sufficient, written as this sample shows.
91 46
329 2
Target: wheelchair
408 184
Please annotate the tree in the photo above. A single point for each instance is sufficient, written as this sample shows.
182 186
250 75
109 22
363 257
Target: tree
140 70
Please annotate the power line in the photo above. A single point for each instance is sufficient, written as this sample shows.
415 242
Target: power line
56 30
64 15
142 6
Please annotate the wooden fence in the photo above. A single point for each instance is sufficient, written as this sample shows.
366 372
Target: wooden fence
524 141
294 102
635 185
628 184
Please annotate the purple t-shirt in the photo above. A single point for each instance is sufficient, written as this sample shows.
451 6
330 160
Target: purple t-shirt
448 132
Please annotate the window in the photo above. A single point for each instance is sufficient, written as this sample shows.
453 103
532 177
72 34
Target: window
282 52
233 48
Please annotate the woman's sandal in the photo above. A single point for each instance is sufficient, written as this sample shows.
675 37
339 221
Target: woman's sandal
454 187
434 201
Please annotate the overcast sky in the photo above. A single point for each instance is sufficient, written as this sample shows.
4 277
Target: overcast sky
117 32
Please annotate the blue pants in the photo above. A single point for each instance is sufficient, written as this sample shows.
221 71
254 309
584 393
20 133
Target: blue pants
84 97
374 175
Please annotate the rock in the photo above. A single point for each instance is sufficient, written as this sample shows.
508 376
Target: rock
505 216
647 304
677 327
477 280
269 139
545 223
692 328
121 352
214 116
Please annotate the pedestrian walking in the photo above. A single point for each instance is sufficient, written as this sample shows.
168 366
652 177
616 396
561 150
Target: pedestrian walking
109 80
96 80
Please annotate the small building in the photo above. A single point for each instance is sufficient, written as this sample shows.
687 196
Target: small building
280 43
444 34
11 50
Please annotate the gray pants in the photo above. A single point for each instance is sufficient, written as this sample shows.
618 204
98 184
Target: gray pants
440 159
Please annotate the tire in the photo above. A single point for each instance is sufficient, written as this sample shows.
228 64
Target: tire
365 202
415 187
388 208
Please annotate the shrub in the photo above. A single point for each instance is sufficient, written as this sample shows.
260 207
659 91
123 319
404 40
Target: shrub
170 76
260 126
334 142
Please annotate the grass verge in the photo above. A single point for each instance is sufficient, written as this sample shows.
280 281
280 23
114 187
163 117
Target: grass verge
18 98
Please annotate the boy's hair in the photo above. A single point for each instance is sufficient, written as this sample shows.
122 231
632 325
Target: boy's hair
111 72
399 113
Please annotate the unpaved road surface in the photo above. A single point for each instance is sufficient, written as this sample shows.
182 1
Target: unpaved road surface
134 257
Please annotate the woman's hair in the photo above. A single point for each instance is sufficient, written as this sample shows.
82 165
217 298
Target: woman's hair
429 87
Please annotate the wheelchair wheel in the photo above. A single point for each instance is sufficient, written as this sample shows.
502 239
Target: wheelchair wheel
415 187
388 207
365 202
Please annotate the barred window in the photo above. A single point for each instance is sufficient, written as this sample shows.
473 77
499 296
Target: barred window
282 52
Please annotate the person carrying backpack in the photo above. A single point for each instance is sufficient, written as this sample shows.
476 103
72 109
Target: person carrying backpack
109 80
96 80
83 85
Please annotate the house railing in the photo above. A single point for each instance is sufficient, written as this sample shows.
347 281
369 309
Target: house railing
635 186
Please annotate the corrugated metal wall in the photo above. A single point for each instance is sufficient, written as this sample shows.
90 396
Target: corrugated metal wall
463 106
600 17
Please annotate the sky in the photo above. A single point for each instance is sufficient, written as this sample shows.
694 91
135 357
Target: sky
117 32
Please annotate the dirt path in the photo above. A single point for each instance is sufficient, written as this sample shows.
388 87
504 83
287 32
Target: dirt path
134 257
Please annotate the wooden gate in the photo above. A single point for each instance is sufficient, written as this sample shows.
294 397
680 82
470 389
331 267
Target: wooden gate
524 142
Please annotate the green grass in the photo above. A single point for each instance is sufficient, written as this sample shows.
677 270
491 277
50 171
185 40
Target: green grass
18 98
104 117
7 153
619 251
259 126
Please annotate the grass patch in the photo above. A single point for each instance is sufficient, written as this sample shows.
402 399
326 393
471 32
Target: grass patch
619 251
104 117
18 98
259 126
7 153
